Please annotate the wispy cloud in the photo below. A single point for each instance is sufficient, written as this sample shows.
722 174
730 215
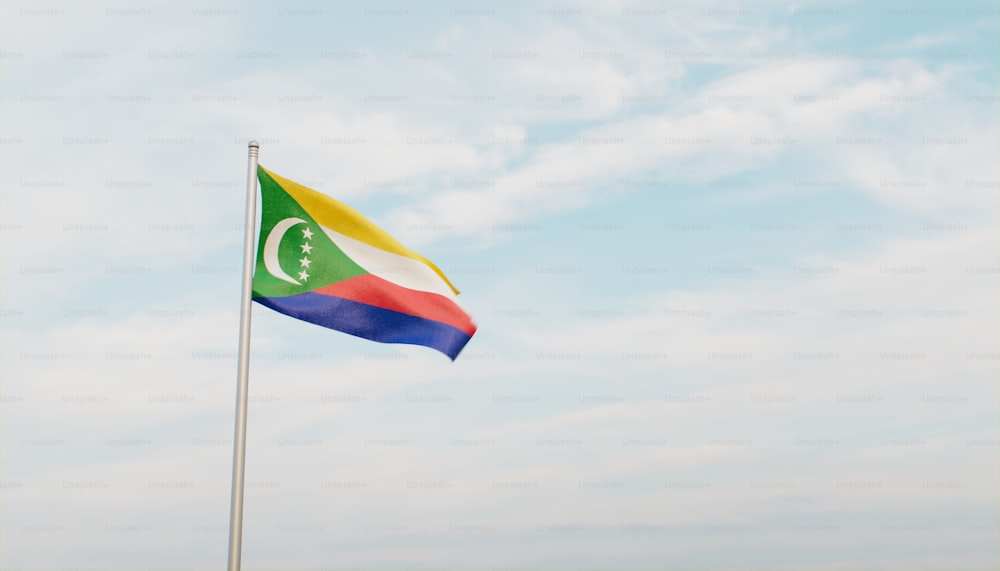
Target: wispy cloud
734 271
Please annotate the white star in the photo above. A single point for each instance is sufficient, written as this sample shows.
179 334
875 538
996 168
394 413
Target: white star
303 275
306 248
307 234
305 262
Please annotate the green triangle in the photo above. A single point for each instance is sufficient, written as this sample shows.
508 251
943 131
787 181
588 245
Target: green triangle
294 255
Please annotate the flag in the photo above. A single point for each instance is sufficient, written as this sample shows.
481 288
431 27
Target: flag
321 261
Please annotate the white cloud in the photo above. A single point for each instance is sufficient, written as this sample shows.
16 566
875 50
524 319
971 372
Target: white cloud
847 386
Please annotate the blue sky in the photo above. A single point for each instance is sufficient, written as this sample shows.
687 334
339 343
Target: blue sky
734 268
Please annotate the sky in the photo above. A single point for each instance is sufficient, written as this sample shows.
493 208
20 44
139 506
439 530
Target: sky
734 268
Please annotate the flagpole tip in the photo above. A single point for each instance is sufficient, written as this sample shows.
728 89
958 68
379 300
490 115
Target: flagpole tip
254 145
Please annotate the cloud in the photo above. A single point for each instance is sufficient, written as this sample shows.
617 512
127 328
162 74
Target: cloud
746 122
730 290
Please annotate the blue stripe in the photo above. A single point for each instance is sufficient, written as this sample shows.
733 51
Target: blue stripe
369 322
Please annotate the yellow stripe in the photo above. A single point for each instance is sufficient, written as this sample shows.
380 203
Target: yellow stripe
342 218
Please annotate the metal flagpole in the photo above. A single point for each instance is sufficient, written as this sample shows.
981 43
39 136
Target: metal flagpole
240 439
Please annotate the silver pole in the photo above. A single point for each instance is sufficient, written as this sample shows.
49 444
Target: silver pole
240 439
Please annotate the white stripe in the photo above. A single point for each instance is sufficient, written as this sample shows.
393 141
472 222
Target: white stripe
394 268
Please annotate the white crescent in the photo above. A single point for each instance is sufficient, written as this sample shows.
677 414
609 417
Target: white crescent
271 248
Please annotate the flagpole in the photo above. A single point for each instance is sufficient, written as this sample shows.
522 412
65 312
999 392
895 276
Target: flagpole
240 439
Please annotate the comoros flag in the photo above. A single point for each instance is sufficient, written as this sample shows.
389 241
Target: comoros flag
321 261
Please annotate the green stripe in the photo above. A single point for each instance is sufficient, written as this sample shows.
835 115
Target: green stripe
327 263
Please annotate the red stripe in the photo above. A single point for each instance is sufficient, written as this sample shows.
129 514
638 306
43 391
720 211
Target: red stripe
373 290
